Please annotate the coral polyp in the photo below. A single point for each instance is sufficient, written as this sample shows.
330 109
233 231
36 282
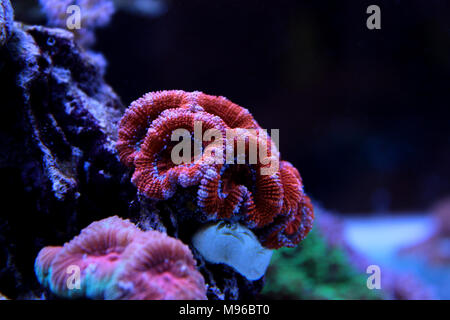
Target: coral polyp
238 175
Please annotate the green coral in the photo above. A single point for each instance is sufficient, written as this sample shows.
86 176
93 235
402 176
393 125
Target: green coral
315 270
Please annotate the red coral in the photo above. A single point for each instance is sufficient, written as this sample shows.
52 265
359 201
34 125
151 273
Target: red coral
106 252
156 175
253 192
288 231
134 123
228 189
244 188
234 115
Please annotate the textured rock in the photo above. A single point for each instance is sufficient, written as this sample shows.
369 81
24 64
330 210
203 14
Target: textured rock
6 21
57 138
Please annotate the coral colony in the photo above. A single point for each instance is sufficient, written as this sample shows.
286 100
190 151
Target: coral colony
272 205
116 260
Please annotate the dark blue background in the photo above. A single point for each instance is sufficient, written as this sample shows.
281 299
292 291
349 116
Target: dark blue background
363 114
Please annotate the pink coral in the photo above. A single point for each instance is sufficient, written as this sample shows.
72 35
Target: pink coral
108 251
43 263
158 267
